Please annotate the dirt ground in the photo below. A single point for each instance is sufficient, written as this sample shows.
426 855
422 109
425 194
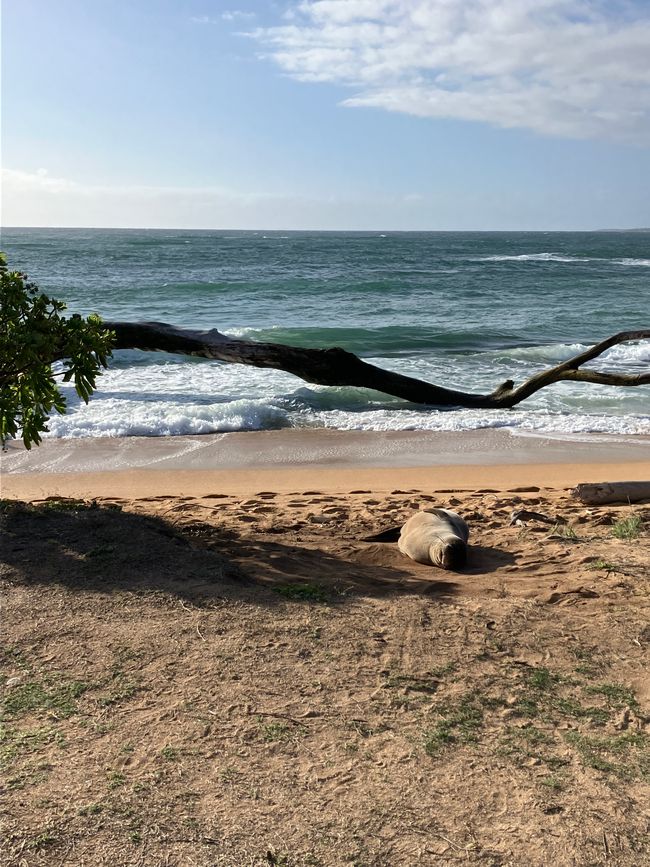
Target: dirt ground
202 682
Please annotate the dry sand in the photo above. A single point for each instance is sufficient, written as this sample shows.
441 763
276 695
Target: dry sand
211 667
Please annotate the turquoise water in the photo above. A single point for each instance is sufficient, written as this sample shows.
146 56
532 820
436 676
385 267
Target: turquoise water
462 309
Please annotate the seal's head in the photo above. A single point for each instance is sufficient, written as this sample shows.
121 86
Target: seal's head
449 552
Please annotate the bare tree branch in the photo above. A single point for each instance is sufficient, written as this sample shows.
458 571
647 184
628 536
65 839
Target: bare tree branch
338 367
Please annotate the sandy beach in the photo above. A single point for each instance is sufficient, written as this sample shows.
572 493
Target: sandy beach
210 661
242 463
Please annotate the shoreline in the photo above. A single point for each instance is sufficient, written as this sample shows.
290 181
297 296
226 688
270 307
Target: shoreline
294 460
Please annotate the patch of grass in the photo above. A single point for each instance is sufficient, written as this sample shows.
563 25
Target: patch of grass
627 528
28 777
65 504
545 695
572 708
443 670
169 753
522 743
602 566
91 809
13 656
411 682
280 731
630 749
553 782
14 742
302 592
564 531
116 779
591 664
275 731
527 707
532 736
459 723
42 841
542 679
121 687
229 775
617 695
54 695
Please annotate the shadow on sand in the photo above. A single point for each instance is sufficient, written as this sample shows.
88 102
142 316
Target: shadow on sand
102 549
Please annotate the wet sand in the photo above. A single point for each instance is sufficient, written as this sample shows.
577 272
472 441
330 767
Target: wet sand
298 459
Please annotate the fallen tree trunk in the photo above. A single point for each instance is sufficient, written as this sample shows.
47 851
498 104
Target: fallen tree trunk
611 492
338 367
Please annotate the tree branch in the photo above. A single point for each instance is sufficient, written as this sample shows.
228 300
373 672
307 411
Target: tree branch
337 367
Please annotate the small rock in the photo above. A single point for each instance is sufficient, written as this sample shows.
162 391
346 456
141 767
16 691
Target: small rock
320 519
13 681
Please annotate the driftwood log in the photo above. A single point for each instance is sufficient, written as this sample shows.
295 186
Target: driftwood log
594 494
338 367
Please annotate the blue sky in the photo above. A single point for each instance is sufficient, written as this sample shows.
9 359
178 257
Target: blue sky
333 114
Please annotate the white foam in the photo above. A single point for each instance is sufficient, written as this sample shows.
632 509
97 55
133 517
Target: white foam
537 257
629 353
247 332
643 263
540 422
557 257
189 397
121 418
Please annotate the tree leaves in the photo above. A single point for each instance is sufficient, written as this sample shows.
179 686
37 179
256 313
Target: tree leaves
33 335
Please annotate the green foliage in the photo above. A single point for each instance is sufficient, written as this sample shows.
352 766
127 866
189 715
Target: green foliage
33 335
302 592
627 528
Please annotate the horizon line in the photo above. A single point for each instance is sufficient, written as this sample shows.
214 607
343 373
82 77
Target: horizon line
333 231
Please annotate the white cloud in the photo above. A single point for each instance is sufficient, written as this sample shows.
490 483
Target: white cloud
573 68
237 15
36 199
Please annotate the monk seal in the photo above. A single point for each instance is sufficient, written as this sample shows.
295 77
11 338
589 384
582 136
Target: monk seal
435 537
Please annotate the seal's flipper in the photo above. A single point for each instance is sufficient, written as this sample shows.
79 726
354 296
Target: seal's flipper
389 535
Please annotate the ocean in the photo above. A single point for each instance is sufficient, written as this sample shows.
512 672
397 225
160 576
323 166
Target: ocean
461 309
